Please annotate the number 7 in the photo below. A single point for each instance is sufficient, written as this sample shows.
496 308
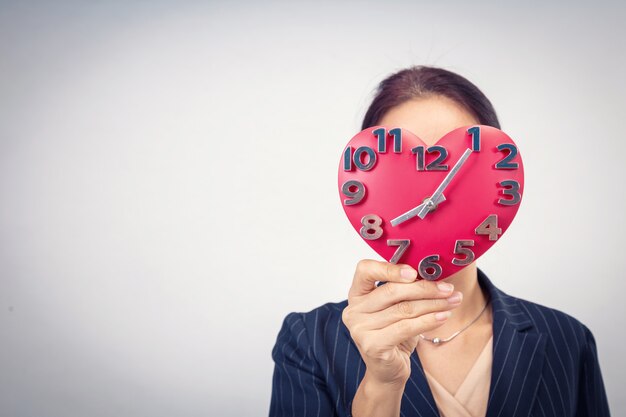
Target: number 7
402 245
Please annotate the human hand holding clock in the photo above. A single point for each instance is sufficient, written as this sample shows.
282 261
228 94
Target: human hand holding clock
483 192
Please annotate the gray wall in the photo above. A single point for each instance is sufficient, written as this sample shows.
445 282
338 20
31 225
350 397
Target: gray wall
161 166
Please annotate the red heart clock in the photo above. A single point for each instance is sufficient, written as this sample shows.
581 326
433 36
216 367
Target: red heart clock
437 208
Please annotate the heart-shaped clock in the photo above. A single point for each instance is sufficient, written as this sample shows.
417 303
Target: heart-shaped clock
437 208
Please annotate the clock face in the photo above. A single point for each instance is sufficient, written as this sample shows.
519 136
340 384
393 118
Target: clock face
437 208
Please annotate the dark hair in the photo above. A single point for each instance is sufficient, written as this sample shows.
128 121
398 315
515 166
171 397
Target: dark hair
424 81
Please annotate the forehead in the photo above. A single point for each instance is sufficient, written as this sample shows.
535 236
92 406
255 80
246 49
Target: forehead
429 118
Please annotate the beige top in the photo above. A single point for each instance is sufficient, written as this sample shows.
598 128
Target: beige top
470 399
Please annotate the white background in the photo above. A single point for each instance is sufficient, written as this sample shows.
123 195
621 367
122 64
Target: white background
168 183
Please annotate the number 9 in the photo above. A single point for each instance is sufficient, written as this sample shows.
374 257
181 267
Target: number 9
354 196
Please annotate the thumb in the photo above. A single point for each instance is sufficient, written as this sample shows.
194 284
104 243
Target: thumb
410 344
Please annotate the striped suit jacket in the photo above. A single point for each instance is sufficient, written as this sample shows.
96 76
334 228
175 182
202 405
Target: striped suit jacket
545 364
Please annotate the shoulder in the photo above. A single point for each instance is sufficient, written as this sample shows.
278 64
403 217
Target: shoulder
571 369
316 331
317 320
330 311
561 328
317 361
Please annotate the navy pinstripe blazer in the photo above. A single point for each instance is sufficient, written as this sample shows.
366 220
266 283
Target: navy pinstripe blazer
545 363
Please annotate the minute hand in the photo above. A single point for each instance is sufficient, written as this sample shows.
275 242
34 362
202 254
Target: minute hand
439 191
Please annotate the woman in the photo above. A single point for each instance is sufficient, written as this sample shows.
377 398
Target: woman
459 347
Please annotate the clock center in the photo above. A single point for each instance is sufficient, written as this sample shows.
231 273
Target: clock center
430 204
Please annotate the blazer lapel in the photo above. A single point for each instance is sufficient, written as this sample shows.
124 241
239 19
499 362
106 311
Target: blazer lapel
518 355
417 399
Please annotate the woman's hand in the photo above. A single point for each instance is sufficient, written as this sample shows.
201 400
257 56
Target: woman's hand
385 321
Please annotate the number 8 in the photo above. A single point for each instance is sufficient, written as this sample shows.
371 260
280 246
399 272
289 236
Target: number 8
371 222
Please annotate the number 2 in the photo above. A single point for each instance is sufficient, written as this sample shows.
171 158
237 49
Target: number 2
506 163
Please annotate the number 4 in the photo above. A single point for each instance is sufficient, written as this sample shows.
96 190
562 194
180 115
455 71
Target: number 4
490 227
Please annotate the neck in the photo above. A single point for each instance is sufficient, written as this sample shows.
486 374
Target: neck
465 281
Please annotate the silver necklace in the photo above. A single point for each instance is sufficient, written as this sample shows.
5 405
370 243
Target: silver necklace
437 340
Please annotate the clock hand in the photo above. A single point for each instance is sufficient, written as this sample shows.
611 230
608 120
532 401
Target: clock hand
413 212
432 201
437 196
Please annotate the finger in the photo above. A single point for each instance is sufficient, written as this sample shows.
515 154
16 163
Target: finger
392 293
411 309
368 271
402 330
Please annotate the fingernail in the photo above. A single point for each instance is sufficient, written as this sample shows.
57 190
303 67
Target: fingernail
442 315
455 298
445 286
408 273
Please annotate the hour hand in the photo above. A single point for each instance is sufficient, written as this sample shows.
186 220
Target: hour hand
414 211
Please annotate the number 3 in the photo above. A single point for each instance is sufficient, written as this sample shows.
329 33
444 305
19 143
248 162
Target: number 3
512 190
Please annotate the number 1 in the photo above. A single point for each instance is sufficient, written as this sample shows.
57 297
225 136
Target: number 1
475 132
